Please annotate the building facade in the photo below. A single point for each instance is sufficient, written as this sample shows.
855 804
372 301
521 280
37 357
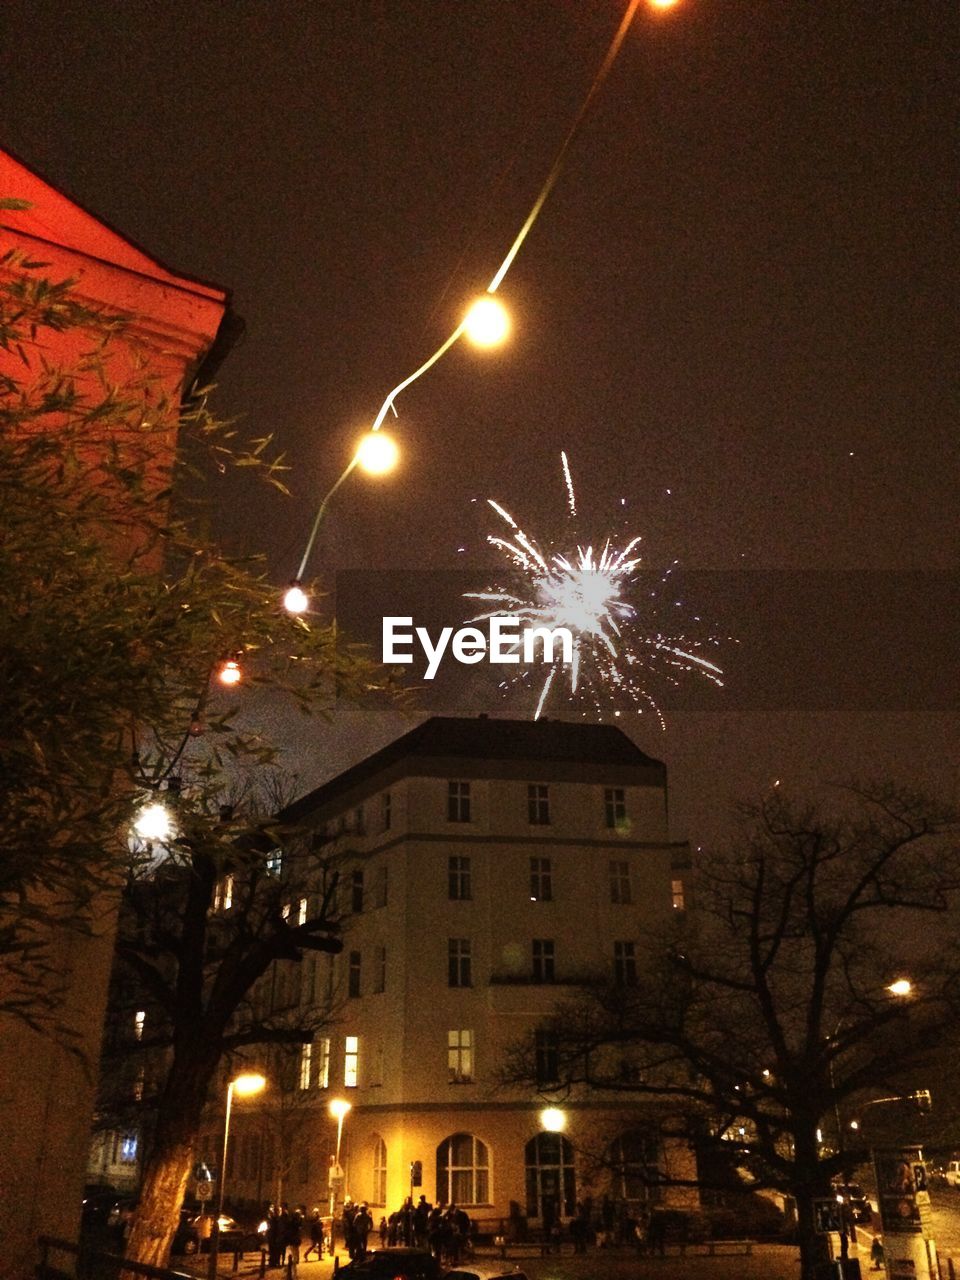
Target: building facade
488 867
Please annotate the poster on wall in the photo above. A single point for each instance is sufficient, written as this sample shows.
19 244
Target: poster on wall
902 1191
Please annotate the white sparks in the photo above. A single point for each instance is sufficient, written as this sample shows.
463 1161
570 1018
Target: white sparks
593 594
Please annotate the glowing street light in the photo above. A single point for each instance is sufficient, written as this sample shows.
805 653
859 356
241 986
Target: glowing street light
487 323
244 1086
230 673
338 1108
902 987
377 453
553 1120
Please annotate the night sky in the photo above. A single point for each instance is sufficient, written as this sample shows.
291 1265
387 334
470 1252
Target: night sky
735 312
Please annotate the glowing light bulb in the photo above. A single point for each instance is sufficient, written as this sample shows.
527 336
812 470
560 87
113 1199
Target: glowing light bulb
296 599
377 453
902 987
229 672
662 4
153 822
553 1120
487 323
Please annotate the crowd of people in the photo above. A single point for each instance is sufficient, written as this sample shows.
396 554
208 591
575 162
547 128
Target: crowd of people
443 1229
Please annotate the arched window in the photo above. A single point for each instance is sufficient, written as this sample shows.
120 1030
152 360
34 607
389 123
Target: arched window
379 1195
551 1180
463 1170
634 1166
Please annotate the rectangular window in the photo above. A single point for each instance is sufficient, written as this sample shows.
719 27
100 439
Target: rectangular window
541 880
546 1058
676 893
351 1061
624 964
460 1056
353 976
458 801
139 1020
538 804
274 862
356 892
543 960
458 962
323 1063
379 970
302 911
386 811
306 1057
382 883
358 823
620 883
458 878
615 807
128 1149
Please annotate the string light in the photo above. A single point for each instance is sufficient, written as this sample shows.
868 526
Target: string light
480 318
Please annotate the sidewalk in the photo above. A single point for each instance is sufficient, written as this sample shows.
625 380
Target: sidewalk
767 1262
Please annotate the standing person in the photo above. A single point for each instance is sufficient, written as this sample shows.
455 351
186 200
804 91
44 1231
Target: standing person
316 1234
384 1230
294 1237
362 1226
421 1217
274 1235
349 1235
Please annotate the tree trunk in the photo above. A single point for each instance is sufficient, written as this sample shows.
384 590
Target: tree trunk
170 1162
814 1245
164 1185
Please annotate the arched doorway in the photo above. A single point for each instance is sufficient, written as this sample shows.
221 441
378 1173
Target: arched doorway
550 1178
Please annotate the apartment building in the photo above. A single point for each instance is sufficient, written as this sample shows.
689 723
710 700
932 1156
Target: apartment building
489 866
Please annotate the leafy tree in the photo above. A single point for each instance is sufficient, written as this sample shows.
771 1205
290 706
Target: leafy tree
118 613
767 1017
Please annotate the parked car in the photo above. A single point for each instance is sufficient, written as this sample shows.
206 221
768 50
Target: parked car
855 1200
393 1264
951 1173
194 1231
98 1200
492 1269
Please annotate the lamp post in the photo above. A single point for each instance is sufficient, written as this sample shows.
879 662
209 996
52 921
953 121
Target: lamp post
338 1108
245 1086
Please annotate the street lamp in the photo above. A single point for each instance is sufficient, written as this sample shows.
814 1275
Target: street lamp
244 1086
553 1120
338 1108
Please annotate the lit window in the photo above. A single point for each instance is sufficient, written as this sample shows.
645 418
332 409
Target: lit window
676 893
306 1054
624 964
620 883
543 960
615 807
387 811
458 962
323 1063
274 862
128 1149
458 801
302 912
538 804
460 1056
351 1061
139 1018
138 1085
353 976
285 913
541 880
380 971
379 1171
458 878
356 892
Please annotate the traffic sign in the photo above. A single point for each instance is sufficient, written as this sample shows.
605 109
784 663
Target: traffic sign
204 1189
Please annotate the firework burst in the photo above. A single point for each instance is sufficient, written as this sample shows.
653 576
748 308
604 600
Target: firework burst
620 653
